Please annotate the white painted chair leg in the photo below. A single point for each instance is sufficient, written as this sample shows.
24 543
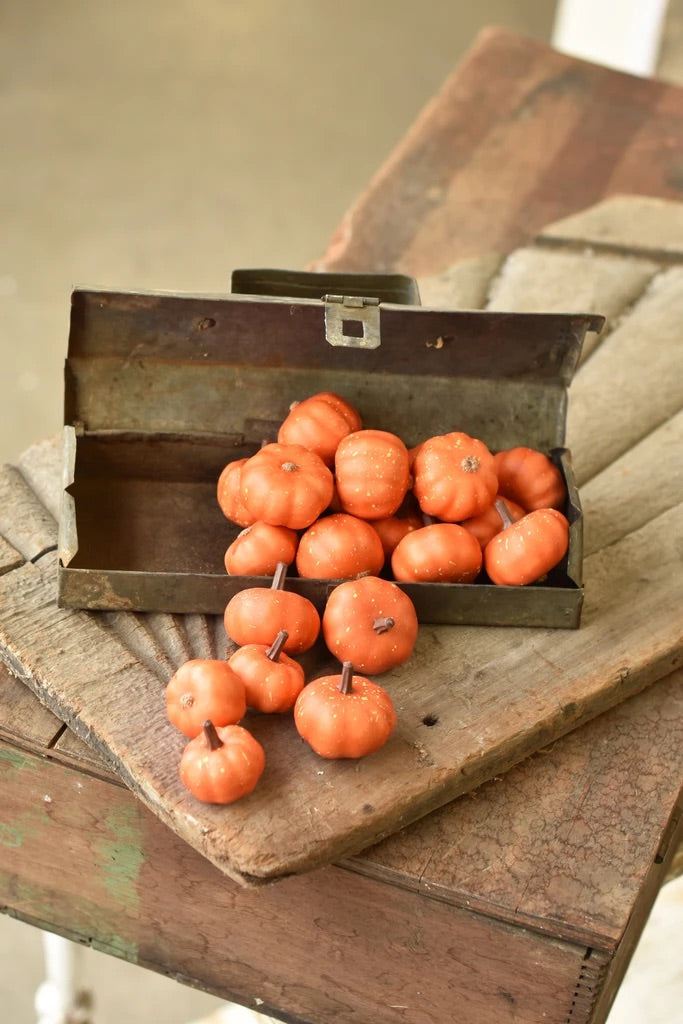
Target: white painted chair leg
621 34
61 998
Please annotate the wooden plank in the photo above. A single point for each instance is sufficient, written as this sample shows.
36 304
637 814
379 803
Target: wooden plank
10 558
25 523
566 841
632 383
518 136
632 492
104 871
22 719
496 695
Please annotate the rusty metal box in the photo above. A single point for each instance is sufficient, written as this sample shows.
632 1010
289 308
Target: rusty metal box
162 390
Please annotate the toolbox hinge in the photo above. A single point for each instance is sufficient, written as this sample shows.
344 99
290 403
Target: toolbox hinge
352 321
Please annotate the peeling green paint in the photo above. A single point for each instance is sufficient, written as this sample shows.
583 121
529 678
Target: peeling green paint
34 905
121 858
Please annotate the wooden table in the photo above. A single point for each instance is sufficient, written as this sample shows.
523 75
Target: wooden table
521 901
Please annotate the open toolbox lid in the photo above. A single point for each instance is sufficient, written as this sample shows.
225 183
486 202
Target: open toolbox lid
168 388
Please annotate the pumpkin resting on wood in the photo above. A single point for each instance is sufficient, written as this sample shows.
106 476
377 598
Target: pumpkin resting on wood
204 688
344 715
222 765
371 623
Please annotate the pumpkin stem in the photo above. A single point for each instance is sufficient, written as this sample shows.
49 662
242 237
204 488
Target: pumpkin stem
346 679
470 464
212 738
502 510
278 643
279 577
383 624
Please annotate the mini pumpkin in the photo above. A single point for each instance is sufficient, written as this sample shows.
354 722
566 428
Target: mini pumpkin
272 680
438 553
392 529
319 423
490 522
229 496
371 623
454 477
372 469
257 550
255 615
530 478
344 716
204 688
222 765
526 550
286 485
340 547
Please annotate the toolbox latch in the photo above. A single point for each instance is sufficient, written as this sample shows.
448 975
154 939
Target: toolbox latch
352 321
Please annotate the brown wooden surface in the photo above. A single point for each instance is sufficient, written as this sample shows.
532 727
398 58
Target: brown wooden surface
518 136
495 695
438 901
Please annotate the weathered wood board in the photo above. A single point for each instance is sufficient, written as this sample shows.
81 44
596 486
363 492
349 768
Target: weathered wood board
471 701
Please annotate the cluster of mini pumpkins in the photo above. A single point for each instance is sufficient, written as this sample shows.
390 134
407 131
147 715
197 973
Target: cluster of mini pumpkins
345 503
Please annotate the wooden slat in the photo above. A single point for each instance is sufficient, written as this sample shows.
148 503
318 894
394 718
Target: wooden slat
518 136
22 718
25 523
632 383
566 840
332 946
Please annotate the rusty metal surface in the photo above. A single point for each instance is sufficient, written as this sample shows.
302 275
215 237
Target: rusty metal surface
161 391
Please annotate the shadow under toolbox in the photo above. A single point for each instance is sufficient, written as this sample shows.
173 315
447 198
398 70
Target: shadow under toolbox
162 391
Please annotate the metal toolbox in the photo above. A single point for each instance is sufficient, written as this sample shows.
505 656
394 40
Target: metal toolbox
162 390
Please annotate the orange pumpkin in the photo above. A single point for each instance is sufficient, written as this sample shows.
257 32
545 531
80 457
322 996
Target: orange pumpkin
204 688
286 485
344 715
319 423
530 478
222 765
257 614
257 550
339 547
490 522
272 680
392 529
438 553
371 623
372 470
526 550
454 477
228 494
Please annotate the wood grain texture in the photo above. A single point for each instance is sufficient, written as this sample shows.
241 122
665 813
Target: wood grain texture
564 841
495 695
105 871
518 136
